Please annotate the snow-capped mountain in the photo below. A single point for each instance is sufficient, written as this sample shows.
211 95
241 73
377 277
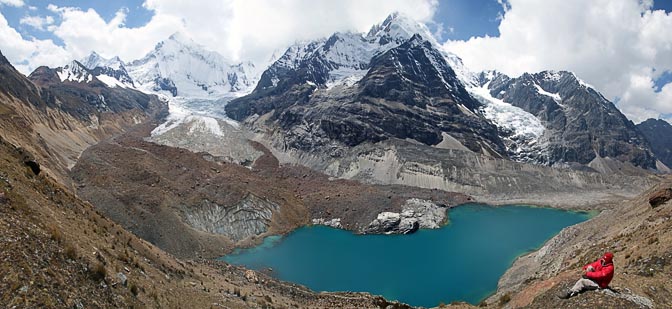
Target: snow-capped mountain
578 124
74 72
396 81
344 58
393 82
111 71
179 66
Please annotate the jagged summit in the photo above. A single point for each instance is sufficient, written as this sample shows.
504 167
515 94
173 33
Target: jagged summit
659 134
178 66
397 28
74 72
111 71
94 60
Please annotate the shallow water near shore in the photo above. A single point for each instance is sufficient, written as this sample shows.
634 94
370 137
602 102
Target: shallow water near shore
461 261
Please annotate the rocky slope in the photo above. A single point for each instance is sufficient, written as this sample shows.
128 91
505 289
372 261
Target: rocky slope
197 204
390 101
580 124
659 134
639 233
57 251
57 113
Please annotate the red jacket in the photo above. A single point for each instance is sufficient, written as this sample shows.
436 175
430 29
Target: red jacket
602 275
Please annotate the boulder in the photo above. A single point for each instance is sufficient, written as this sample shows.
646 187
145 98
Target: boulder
251 276
660 197
122 279
335 223
392 223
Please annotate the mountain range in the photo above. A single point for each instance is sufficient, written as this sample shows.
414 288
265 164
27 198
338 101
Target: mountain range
122 181
395 81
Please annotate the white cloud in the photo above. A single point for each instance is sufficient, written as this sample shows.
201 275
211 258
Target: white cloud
27 54
86 31
37 22
253 29
619 46
238 29
16 3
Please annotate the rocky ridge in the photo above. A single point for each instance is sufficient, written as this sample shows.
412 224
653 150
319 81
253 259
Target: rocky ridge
580 124
659 134
56 120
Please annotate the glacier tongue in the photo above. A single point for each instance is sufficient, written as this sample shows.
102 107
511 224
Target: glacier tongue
525 129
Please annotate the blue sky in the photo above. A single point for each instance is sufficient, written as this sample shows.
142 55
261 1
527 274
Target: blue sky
538 35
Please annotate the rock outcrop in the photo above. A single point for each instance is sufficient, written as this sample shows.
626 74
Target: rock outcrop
335 223
392 223
415 214
251 216
660 197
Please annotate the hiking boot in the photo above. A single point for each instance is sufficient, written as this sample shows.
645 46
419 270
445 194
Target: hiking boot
567 295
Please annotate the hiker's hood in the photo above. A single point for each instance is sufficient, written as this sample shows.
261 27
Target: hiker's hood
608 257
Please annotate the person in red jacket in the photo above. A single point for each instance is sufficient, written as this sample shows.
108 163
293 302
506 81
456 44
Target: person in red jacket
598 276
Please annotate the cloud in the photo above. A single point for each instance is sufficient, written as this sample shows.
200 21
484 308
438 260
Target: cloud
239 30
254 29
16 3
619 46
83 31
37 22
25 54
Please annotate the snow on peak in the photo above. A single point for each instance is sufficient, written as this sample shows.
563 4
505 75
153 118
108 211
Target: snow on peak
398 27
179 66
182 37
74 72
95 60
555 96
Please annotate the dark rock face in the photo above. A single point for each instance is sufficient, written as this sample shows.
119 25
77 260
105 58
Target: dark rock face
660 197
119 74
166 84
85 98
408 92
580 123
13 83
659 134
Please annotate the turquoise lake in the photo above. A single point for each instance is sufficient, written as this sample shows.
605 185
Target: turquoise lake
460 261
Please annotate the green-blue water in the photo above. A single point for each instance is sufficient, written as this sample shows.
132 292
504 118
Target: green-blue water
461 261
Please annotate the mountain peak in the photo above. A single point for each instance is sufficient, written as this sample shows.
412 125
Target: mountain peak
3 60
398 26
181 37
95 60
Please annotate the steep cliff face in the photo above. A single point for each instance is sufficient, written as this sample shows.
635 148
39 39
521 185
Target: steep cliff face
580 124
408 92
659 134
